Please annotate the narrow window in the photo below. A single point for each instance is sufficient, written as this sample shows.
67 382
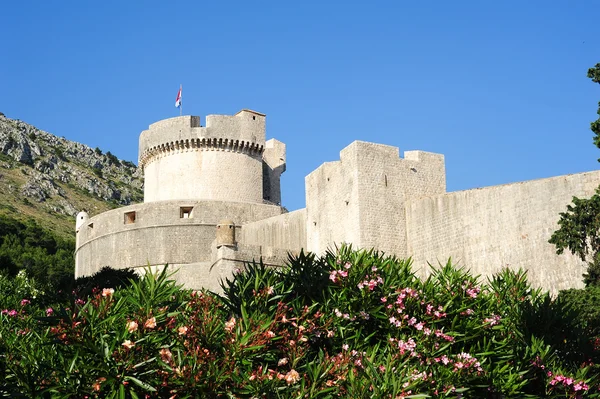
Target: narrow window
185 212
129 217
91 225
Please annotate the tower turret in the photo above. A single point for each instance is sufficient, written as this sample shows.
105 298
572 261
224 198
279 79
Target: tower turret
221 161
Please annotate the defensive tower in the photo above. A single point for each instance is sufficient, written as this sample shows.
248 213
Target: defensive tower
194 178
220 161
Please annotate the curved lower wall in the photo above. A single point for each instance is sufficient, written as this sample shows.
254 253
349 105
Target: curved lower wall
487 229
156 233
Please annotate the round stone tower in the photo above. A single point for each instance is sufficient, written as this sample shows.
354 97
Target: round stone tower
221 161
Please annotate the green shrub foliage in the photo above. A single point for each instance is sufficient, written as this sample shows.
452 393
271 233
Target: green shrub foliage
44 256
353 324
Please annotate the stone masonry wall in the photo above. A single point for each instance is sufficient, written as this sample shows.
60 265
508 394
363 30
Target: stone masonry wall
210 175
285 231
222 161
490 228
360 199
161 233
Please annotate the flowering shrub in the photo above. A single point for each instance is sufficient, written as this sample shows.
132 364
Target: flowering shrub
349 324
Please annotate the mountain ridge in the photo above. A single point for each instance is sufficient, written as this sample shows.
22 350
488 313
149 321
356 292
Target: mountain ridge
50 179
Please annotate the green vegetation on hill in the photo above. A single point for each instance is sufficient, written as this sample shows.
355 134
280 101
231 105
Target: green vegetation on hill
50 179
352 324
40 253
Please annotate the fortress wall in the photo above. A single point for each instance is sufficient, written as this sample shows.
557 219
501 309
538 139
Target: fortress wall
210 175
360 199
159 233
331 216
490 228
386 183
286 231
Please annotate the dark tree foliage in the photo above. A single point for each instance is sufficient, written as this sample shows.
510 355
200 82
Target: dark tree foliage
580 224
106 277
586 307
579 232
39 252
594 74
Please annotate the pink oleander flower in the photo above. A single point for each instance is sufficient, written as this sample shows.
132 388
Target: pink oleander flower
79 302
343 273
292 377
12 313
25 302
492 321
345 347
49 311
128 344
96 385
166 355
182 330
283 361
333 276
229 325
107 292
132 326
150 323
347 265
270 334
270 290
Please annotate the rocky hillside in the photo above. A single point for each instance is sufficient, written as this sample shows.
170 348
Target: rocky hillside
51 179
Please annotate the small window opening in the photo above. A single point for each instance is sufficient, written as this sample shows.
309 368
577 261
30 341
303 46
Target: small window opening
253 117
91 225
185 212
129 217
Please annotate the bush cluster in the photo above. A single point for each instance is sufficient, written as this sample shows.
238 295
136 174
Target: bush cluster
353 324
25 246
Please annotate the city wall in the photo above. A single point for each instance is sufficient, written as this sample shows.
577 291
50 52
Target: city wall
490 228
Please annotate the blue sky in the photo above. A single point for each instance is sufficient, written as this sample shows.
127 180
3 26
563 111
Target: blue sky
499 88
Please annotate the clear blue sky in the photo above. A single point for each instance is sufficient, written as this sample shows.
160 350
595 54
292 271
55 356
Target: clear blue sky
500 88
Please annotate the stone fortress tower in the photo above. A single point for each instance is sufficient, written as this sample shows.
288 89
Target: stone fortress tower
194 177
212 202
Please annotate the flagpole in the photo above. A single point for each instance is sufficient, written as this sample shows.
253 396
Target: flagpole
181 99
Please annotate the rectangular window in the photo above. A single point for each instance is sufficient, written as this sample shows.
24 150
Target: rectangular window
129 217
185 212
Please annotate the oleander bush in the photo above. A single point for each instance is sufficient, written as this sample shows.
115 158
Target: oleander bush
353 324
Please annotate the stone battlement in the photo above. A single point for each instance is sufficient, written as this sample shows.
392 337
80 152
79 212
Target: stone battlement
244 131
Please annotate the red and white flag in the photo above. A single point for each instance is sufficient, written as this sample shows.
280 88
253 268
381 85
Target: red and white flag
178 99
